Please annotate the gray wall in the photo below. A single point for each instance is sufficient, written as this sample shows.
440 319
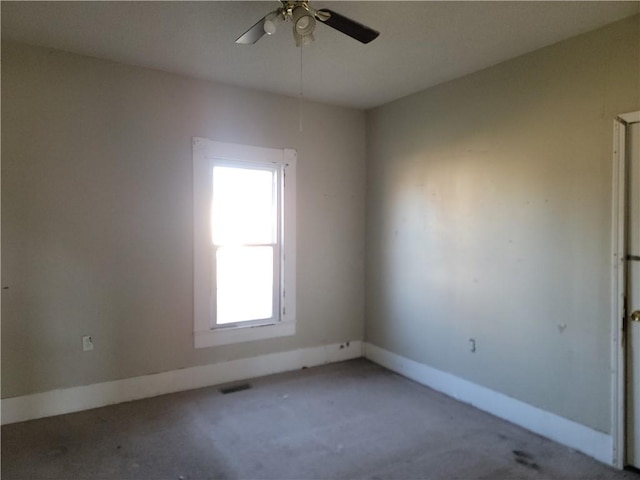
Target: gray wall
97 216
489 217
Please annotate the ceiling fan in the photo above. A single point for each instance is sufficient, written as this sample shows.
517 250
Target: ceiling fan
304 23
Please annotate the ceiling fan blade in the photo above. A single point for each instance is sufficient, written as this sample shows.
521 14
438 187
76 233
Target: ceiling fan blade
347 26
255 33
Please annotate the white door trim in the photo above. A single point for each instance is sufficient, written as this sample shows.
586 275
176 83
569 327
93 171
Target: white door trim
618 247
630 117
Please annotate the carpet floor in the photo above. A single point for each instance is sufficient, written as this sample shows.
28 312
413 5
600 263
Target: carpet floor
349 420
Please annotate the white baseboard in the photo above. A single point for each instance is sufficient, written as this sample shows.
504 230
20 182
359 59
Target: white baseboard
57 402
75 399
574 435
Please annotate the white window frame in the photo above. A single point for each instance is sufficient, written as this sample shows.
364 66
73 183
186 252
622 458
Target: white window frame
277 169
206 153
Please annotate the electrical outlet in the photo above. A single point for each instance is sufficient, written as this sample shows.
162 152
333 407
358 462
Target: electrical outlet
87 343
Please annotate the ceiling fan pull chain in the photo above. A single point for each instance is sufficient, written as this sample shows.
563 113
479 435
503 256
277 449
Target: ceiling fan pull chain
300 95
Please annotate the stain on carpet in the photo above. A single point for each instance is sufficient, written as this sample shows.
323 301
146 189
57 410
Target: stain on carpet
525 459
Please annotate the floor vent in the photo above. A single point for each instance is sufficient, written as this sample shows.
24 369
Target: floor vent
235 388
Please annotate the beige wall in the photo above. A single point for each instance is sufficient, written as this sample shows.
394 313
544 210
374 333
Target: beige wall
97 216
489 217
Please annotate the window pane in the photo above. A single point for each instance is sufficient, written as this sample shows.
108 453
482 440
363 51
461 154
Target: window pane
244 284
244 206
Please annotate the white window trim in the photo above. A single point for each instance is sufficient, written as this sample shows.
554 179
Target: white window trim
205 151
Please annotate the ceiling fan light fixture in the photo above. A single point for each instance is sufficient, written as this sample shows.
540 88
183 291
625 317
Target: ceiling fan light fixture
271 22
302 40
297 37
307 39
303 21
270 27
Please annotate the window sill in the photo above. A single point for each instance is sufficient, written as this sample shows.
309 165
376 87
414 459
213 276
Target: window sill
212 338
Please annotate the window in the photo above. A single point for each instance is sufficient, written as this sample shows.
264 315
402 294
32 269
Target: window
244 242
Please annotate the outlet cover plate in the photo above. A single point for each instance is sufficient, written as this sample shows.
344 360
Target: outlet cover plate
87 343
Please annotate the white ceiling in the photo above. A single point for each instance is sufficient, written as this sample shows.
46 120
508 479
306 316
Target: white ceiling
421 43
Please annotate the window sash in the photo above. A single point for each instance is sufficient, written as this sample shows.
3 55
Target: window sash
275 290
277 198
277 284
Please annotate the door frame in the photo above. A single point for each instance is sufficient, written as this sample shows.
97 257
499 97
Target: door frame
618 318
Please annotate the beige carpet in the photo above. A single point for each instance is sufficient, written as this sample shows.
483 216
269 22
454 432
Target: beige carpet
347 420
